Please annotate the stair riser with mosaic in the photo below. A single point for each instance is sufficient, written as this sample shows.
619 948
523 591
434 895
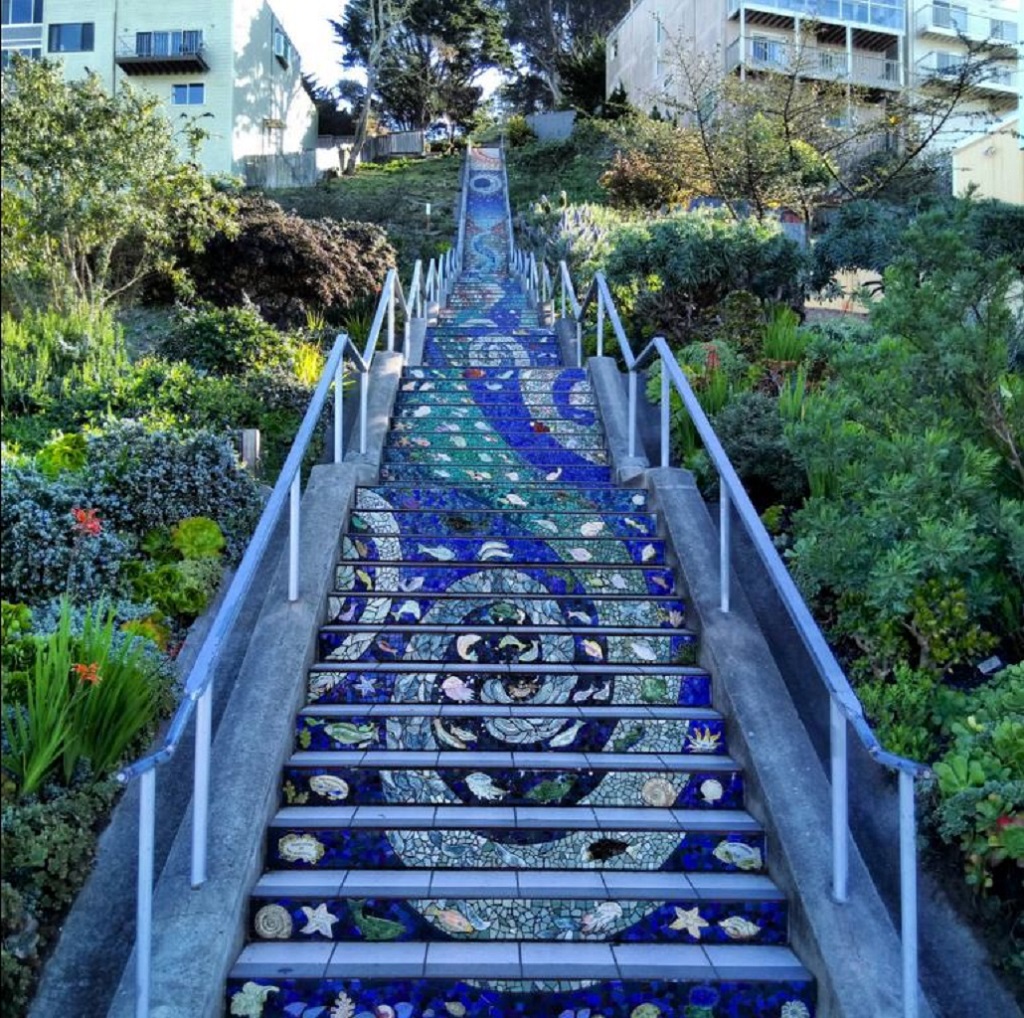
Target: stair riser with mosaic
499 497
503 524
383 683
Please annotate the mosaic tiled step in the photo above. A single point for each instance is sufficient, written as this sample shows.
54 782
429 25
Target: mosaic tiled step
494 728
606 551
446 906
493 455
512 430
514 354
538 980
389 683
465 331
514 837
497 392
500 496
532 444
484 609
455 474
496 578
517 644
507 523
468 409
322 778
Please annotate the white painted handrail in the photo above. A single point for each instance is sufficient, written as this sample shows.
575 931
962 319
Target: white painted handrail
845 709
198 696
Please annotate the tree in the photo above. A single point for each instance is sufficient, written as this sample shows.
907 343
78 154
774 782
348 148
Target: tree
423 64
96 195
366 31
544 33
331 116
790 136
582 73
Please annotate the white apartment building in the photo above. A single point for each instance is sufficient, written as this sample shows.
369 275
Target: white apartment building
228 62
877 46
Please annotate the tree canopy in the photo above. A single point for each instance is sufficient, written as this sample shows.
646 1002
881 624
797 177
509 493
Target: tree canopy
96 194
423 61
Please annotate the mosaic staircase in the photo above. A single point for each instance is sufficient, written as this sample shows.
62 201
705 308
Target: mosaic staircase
510 794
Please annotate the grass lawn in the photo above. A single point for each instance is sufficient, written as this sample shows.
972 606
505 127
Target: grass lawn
393 195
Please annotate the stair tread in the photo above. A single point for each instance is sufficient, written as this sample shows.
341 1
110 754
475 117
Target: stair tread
610 818
615 712
480 759
464 959
644 885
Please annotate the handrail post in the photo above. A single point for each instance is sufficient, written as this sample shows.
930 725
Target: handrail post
600 325
391 316
201 787
579 345
144 893
364 392
632 412
840 803
666 432
562 277
293 537
339 412
908 893
724 542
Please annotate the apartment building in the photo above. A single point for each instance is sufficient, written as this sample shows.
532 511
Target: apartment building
876 46
228 62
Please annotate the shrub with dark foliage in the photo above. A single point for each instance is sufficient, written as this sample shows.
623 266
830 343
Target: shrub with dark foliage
288 266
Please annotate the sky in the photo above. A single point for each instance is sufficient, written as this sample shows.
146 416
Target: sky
307 27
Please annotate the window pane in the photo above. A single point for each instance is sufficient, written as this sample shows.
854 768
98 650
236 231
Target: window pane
179 95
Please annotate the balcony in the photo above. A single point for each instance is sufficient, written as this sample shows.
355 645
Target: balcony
940 67
994 26
162 53
884 15
815 62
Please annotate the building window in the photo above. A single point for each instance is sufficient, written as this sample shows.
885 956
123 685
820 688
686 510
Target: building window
282 48
76 37
769 51
188 95
22 12
163 44
30 53
615 48
949 15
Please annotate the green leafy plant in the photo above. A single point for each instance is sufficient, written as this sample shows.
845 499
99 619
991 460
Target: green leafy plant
309 363
981 780
783 340
198 537
90 696
63 452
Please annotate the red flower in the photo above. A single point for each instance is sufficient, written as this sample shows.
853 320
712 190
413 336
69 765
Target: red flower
714 362
87 522
89 673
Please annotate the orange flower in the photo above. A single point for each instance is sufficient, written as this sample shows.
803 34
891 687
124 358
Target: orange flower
89 673
87 522
713 360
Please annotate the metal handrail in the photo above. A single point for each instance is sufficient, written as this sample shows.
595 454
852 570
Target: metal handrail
845 708
198 696
460 244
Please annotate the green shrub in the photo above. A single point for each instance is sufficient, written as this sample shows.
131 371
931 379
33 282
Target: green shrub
197 537
750 429
981 783
46 550
227 341
783 340
62 452
152 479
518 131
45 355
